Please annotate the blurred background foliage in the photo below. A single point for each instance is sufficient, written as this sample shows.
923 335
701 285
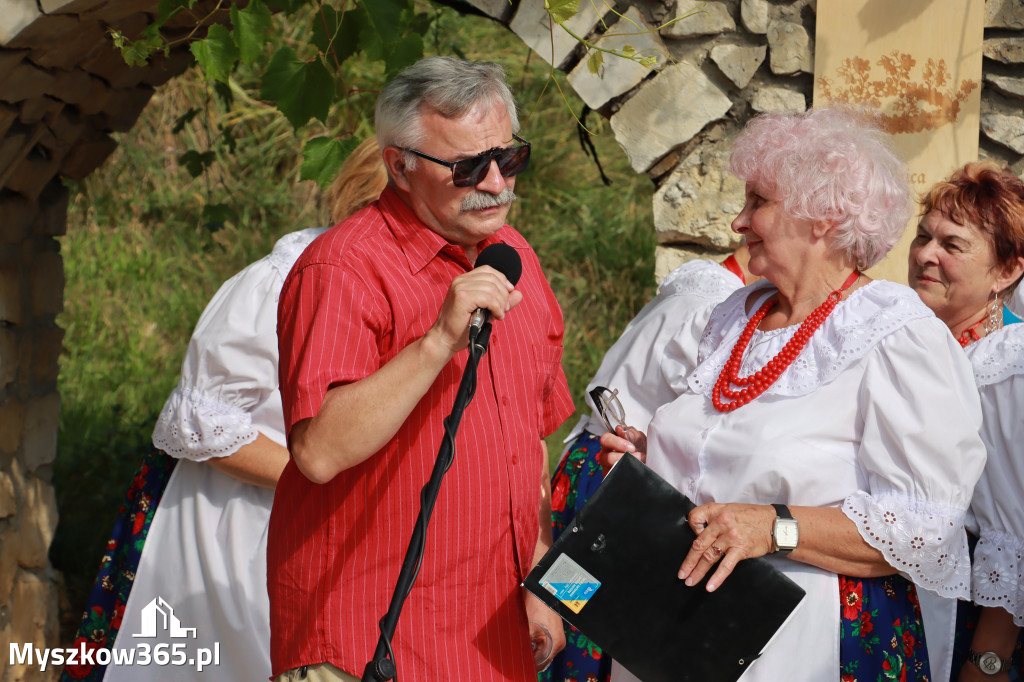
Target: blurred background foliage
144 250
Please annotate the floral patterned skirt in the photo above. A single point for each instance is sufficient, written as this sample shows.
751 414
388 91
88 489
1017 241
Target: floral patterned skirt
882 634
102 617
575 480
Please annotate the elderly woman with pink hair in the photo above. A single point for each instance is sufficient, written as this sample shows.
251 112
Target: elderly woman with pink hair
831 424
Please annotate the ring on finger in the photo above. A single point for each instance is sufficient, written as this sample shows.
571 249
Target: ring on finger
716 550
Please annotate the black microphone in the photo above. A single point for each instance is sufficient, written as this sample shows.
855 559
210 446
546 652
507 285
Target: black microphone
505 260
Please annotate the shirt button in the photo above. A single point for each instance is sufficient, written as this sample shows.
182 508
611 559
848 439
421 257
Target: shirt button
505 401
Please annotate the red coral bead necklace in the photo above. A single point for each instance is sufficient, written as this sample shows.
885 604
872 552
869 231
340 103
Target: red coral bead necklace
970 335
757 383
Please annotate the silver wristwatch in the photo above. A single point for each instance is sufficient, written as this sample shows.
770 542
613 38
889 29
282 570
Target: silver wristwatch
988 661
786 531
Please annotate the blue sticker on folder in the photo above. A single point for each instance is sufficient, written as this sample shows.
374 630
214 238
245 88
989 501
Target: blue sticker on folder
570 583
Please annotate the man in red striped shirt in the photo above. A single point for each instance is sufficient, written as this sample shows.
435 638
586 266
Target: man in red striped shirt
372 327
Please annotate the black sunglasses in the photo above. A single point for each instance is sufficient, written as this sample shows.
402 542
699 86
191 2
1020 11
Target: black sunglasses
469 172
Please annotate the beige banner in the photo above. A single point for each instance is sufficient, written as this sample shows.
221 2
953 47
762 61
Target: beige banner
919 63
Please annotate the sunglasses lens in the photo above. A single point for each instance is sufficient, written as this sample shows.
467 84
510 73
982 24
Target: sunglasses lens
514 161
470 172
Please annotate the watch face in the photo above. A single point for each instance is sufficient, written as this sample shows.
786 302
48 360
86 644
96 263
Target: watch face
989 662
787 533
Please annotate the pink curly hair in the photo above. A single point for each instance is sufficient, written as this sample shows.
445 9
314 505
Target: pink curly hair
830 163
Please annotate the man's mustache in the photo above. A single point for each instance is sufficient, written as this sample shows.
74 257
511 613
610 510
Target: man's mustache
480 200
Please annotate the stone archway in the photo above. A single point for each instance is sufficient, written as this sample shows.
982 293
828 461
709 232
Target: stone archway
64 89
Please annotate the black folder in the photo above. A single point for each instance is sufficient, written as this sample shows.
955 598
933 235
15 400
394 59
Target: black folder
612 575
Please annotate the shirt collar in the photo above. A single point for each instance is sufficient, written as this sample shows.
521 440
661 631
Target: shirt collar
418 242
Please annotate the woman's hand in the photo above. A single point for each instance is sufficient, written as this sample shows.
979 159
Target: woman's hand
615 445
726 534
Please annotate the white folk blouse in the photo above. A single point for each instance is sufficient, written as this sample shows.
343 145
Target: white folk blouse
997 514
650 361
878 416
205 554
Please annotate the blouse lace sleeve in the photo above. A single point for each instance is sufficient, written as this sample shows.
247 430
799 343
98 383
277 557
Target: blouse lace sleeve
998 569
230 368
921 456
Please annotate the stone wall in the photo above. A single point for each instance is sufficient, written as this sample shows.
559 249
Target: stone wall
64 90
736 58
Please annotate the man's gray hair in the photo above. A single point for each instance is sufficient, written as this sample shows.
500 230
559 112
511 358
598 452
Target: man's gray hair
451 87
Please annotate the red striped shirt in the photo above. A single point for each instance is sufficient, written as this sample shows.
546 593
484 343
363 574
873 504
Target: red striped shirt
357 296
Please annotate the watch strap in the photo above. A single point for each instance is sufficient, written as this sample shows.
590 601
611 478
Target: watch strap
782 511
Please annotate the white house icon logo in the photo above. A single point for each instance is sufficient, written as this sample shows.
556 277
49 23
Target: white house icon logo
158 615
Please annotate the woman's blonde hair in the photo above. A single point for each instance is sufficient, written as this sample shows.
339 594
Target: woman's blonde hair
360 181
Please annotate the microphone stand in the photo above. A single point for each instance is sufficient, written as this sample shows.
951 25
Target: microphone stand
382 667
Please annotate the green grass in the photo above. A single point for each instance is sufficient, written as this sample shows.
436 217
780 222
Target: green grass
141 264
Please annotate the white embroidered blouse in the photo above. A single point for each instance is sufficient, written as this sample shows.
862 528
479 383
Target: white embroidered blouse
997 514
650 361
228 389
877 416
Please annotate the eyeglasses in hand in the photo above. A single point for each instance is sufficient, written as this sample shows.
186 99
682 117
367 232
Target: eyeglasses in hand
609 407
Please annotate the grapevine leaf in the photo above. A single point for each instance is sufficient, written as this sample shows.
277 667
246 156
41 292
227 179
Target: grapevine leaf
216 53
326 23
562 10
594 62
322 158
137 52
371 44
386 16
346 43
250 29
301 90
195 163
420 23
338 34
403 53
628 51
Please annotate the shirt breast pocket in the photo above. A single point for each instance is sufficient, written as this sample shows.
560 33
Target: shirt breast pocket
546 366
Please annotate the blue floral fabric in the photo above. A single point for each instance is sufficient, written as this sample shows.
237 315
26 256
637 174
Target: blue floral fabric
575 480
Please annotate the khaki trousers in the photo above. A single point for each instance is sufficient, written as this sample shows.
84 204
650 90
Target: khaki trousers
321 672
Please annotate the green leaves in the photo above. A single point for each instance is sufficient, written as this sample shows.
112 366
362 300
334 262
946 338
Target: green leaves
221 50
562 10
217 53
386 17
250 29
137 53
401 54
337 33
301 89
322 158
